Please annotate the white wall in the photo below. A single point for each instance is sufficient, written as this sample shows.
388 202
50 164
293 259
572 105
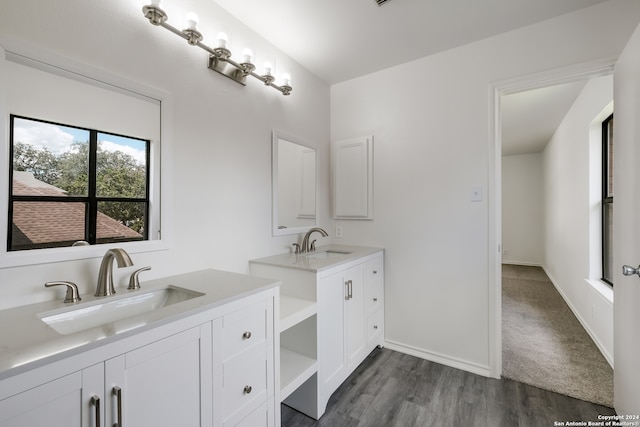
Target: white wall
522 209
569 212
219 187
431 122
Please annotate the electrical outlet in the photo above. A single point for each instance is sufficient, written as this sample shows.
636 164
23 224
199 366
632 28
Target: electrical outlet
339 231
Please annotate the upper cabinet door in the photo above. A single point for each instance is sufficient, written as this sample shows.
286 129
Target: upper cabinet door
352 167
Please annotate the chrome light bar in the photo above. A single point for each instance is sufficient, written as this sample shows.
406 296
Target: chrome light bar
219 57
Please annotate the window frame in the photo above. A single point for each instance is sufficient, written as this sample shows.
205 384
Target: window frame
607 196
90 201
161 228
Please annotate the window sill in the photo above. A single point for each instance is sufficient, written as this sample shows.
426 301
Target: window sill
601 288
45 256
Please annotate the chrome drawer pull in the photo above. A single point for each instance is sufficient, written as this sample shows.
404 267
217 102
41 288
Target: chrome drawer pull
375 300
246 335
117 392
95 401
247 389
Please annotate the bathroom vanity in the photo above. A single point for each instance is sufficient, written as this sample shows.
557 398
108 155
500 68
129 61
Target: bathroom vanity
331 318
205 356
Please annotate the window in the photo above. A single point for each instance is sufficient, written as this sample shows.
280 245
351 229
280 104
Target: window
71 184
607 200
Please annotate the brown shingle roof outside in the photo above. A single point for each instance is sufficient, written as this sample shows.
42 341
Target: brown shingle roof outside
56 224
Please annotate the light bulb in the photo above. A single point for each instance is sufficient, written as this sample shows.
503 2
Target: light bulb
222 39
156 3
268 68
247 54
286 79
192 21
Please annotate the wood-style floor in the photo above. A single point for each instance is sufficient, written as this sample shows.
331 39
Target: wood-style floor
395 389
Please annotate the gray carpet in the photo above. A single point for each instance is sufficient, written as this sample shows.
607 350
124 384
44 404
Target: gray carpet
544 345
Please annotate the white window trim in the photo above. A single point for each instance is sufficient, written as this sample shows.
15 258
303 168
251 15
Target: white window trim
15 51
595 201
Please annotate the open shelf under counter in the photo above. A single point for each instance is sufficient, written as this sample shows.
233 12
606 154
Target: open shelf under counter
295 310
295 369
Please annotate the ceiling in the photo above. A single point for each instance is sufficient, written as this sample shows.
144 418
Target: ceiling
338 40
529 119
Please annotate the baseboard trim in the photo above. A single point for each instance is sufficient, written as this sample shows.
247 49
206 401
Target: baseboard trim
584 324
525 263
452 362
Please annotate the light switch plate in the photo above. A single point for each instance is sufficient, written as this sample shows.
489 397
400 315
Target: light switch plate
476 194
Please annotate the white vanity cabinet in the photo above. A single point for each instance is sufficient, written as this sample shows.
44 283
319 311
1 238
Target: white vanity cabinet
63 402
212 367
122 388
337 307
352 324
163 376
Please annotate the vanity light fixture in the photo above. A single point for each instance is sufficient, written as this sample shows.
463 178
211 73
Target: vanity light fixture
219 57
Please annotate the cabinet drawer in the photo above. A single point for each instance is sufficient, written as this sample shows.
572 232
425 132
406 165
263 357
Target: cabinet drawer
258 418
245 380
243 329
375 326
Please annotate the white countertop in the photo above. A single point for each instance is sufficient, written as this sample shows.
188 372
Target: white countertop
27 342
310 263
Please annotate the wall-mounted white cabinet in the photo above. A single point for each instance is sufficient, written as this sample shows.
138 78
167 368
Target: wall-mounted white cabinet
211 368
352 178
331 317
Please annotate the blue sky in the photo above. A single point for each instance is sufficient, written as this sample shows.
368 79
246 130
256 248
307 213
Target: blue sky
58 139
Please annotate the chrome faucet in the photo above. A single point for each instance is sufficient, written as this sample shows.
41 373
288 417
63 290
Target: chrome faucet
310 247
105 276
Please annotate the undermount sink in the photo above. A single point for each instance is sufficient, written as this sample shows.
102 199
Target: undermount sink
326 254
96 313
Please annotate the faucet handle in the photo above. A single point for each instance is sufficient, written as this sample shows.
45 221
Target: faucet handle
134 282
297 246
72 290
313 246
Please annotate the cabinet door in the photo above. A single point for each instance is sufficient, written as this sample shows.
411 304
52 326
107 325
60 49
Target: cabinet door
355 322
158 384
352 166
332 294
65 402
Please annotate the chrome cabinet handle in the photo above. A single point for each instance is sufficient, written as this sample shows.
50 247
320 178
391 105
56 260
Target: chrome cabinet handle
95 401
349 285
627 270
375 326
247 389
375 271
375 300
117 392
246 335
346 291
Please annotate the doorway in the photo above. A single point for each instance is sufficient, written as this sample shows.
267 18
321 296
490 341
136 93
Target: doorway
570 75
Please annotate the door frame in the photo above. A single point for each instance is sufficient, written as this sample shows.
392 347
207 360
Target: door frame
583 71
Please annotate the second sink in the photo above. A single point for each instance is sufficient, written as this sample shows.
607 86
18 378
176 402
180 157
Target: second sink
326 254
